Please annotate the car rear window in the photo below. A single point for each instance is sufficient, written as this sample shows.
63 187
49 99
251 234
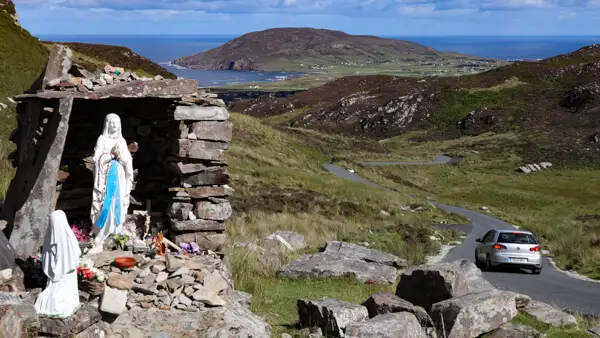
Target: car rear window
516 238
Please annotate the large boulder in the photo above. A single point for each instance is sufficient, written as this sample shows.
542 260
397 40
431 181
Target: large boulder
549 315
386 302
325 264
18 321
425 285
475 281
391 325
208 322
361 253
83 318
510 330
331 315
473 314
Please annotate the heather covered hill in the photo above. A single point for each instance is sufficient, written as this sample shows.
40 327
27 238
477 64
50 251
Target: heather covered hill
553 104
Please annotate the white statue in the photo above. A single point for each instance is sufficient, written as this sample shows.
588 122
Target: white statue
113 180
60 259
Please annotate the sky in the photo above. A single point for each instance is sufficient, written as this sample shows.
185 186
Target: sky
375 17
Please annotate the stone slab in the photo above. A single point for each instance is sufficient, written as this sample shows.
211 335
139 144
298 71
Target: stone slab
205 240
210 176
201 113
209 191
60 61
197 225
213 130
214 211
83 318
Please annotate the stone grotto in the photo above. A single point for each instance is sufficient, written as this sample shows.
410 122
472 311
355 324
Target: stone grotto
129 174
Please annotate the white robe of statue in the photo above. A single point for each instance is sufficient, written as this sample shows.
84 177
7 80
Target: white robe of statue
103 156
60 259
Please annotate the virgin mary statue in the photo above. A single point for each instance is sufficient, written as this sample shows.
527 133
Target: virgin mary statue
60 258
113 179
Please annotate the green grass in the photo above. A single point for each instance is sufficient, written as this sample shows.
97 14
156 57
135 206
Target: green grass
555 332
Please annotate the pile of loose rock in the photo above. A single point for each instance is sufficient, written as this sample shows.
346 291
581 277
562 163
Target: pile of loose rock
449 300
171 282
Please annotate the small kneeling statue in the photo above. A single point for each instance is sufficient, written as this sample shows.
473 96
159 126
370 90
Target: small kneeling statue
60 259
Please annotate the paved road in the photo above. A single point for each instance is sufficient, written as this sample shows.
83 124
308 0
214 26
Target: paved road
551 286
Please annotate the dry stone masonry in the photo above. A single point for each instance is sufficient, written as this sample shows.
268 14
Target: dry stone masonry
177 136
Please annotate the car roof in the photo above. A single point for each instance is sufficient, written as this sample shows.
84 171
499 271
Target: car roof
515 231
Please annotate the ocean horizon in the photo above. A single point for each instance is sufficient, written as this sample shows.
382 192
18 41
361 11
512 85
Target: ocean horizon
163 49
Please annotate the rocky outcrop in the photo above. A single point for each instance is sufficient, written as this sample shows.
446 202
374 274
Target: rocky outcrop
385 302
532 167
342 259
549 315
331 315
391 325
442 281
473 314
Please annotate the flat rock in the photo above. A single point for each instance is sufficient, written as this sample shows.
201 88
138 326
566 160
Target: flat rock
473 314
200 113
214 211
475 281
510 330
213 130
10 298
285 240
386 302
233 321
351 250
84 317
197 225
120 282
114 301
215 283
180 211
210 191
210 176
548 314
161 277
208 297
18 321
105 258
326 264
331 315
391 325
425 285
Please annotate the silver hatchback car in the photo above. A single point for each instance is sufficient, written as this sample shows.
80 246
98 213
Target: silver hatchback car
514 248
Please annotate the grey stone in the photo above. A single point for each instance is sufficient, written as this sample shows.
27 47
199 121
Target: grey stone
18 321
30 199
213 130
59 63
243 298
8 298
88 84
521 300
145 289
549 315
180 211
326 264
208 297
473 314
161 277
391 325
210 176
84 317
475 281
186 168
200 113
286 240
158 267
424 285
368 255
209 322
386 302
331 315
205 240
191 309
188 291
197 225
198 304
173 263
286 335
184 300
510 330
180 272
207 150
114 301
215 283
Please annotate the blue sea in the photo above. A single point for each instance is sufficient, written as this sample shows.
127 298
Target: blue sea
163 49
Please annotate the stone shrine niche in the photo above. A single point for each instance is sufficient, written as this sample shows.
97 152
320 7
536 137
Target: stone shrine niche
146 126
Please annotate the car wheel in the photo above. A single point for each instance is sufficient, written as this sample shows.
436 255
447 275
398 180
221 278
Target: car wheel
536 271
488 263
477 262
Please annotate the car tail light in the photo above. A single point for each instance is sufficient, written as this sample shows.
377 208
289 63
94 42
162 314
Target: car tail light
499 247
535 248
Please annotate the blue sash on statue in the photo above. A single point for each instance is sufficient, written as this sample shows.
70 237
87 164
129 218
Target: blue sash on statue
112 193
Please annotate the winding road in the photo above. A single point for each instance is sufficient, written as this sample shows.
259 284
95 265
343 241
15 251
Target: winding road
551 286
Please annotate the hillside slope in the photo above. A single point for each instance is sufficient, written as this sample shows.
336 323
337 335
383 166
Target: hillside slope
553 104
285 48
